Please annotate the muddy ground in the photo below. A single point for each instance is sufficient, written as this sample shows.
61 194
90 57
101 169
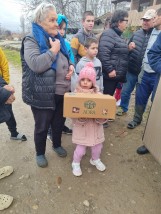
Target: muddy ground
131 183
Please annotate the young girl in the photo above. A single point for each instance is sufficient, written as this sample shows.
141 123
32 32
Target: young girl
87 132
62 28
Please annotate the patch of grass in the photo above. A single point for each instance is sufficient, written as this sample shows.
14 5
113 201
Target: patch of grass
13 57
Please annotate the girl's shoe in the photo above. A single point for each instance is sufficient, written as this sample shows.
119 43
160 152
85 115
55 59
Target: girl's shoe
98 164
5 201
5 171
76 169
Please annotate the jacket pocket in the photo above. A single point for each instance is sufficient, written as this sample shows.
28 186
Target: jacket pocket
100 132
79 131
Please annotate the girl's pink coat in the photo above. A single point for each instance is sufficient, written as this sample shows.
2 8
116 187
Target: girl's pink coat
88 132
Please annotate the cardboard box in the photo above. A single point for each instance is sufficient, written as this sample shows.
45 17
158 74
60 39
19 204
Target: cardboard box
151 137
80 105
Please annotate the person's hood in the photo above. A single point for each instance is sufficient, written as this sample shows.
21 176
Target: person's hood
82 31
62 18
85 59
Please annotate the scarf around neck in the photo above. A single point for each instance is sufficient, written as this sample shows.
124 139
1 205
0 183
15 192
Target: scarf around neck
42 38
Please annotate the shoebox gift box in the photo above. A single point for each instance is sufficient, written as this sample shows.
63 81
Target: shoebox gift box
80 105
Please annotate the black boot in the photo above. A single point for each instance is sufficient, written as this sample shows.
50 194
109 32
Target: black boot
139 111
142 150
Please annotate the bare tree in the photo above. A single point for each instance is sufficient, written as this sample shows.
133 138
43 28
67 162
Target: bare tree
72 9
22 25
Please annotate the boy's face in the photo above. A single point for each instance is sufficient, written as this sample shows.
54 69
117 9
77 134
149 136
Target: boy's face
88 23
92 50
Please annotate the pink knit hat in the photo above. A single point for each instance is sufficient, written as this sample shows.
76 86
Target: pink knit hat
88 72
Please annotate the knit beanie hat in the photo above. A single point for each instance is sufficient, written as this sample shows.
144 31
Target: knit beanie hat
88 72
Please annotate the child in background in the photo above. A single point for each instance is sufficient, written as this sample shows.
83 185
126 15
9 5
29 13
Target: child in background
91 47
87 132
62 28
11 123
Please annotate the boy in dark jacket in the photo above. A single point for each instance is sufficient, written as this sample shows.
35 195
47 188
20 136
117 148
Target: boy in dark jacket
6 97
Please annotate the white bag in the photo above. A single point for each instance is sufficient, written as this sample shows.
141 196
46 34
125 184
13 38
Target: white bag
74 81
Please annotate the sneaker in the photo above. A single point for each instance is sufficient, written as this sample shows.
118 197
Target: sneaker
111 120
76 169
66 130
99 165
41 161
49 138
120 112
105 125
60 151
19 137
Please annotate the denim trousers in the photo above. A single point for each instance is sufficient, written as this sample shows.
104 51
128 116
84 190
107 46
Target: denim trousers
127 89
145 89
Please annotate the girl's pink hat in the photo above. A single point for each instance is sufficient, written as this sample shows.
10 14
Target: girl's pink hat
88 72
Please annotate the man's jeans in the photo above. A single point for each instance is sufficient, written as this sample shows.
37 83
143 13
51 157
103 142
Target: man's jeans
127 89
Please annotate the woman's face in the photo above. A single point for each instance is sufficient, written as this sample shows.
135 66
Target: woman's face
122 25
49 24
62 29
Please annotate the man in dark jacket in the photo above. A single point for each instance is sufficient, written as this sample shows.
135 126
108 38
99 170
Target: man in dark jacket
6 97
154 57
137 46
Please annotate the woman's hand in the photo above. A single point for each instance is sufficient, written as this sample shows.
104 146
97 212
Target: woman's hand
112 74
9 88
70 72
132 46
55 46
10 100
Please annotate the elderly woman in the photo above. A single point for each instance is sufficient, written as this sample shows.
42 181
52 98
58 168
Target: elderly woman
46 77
113 52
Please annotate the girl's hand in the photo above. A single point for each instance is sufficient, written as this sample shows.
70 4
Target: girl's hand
55 46
70 72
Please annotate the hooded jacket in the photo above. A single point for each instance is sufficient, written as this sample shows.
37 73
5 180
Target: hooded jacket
61 18
88 132
4 68
77 44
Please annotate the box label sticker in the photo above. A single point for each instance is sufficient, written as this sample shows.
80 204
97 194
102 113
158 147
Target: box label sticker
89 104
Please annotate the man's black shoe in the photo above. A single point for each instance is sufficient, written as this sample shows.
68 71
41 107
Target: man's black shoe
142 150
66 130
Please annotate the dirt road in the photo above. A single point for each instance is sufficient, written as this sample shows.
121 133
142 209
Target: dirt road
130 185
